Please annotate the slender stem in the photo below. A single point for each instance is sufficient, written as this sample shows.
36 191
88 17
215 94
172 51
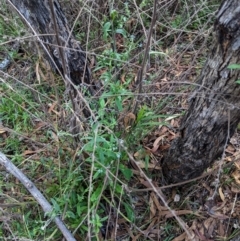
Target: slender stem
142 70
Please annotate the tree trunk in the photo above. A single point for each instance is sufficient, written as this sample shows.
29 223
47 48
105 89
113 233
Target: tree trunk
46 19
214 108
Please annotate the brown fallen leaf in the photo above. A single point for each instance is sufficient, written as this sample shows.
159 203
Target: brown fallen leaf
55 136
156 143
142 165
230 149
235 189
152 208
129 119
221 194
236 176
237 164
39 125
51 107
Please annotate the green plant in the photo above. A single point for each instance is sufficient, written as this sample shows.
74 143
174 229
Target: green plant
146 121
234 67
16 111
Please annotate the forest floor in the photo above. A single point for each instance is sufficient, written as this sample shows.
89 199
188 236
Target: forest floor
106 182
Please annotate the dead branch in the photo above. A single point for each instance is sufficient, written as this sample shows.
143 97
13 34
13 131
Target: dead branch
46 206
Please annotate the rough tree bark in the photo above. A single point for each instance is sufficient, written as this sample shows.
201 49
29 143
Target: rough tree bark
46 19
214 108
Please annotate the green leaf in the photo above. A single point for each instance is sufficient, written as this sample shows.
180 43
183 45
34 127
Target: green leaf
70 214
81 210
104 218
55 206
238 81
113 14
106 29
102 102
233 66
127 173
141 114
121 31
129 211
98 173
118 188
96 195
119 103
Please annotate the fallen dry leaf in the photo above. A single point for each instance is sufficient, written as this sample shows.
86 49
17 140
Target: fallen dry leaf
156 143
236 176
221 194
235 189
237 164
39 125
52 106
128 119
208 226
54 136
163 129
230 149
123 78
143 165
152 208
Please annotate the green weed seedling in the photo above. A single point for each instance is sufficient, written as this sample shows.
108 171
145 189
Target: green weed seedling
146 121
234 67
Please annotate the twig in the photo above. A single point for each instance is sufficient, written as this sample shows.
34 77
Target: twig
46 206
141 72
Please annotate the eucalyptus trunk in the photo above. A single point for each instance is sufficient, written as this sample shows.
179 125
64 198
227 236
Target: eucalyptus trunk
49 25
214 107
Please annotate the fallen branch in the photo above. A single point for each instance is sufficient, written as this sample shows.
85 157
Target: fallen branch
46 206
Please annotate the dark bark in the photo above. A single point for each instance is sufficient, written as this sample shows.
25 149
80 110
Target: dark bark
65 52
214 108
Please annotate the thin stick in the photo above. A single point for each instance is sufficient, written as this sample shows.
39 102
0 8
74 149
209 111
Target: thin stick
46 206
141 72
